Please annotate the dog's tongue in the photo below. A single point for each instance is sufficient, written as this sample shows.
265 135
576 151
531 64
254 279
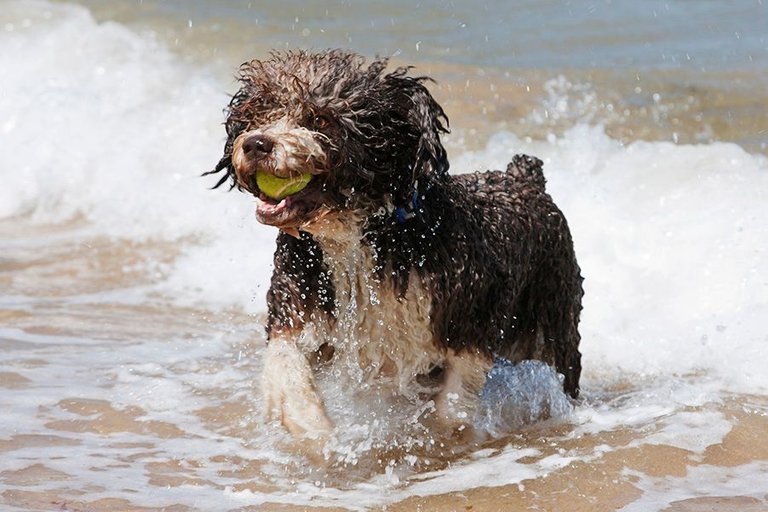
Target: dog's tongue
267 212
270 207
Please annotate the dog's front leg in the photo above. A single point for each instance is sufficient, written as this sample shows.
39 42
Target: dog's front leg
289 391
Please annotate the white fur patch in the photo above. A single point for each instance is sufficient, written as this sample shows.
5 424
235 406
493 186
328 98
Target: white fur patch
377 334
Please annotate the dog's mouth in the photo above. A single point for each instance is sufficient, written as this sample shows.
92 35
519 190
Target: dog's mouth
292 211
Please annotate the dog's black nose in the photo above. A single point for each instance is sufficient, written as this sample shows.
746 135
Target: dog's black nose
257 145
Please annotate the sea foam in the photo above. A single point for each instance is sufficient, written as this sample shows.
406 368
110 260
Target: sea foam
106 125
672 241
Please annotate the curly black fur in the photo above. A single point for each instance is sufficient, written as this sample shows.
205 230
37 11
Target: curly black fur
492 247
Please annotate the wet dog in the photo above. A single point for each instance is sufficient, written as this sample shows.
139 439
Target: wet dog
417 278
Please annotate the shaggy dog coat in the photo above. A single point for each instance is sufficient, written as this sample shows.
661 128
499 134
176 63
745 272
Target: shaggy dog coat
386 261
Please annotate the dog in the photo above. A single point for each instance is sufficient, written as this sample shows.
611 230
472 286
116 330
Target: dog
414 277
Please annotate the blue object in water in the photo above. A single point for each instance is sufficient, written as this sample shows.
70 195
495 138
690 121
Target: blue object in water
516 395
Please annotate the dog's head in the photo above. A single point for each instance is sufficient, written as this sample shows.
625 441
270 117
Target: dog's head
367 137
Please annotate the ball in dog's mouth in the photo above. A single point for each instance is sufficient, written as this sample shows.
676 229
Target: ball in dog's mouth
278 188
291 210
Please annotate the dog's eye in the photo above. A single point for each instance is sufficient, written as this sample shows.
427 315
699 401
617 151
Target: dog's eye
320 121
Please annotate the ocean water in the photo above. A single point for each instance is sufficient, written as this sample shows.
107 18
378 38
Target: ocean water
132 297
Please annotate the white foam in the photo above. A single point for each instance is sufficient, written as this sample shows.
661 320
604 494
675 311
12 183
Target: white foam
747 480
109 125
692 431
672 243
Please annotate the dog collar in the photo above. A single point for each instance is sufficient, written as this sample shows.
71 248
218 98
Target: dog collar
402 214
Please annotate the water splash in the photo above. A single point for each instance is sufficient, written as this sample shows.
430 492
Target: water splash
517 395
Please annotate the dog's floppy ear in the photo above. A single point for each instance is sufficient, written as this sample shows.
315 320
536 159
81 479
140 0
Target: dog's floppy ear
423 120
225 164
234 127
428 115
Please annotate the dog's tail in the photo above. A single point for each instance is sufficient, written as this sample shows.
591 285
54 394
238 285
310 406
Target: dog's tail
527 168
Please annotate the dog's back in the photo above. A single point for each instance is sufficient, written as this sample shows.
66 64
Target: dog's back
512 285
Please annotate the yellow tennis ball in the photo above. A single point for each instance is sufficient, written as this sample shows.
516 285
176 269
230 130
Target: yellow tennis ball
279 188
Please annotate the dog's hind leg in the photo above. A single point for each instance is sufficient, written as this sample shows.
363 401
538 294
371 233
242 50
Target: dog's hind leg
458 400
289 391
567 355
559 307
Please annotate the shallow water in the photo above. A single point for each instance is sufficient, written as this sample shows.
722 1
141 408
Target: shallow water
132 298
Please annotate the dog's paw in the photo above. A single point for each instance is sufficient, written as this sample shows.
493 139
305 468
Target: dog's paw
290 395
451 431
307 423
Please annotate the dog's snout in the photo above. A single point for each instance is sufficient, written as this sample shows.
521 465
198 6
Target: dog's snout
257 145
